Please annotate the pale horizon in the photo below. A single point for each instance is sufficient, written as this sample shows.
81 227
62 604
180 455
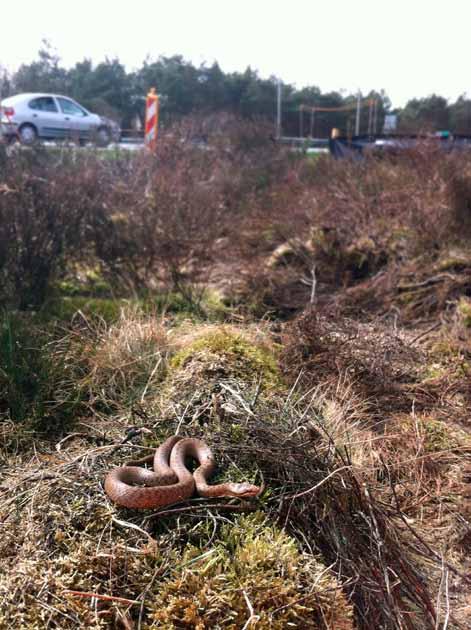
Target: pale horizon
409 49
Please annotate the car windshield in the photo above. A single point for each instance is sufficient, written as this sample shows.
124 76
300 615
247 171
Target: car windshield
70 108
43 104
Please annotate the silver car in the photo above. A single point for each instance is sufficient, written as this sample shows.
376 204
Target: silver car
53 117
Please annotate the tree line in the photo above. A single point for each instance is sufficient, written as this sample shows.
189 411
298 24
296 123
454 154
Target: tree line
107 88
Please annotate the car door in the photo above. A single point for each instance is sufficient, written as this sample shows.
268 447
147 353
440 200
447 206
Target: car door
75 118
44 113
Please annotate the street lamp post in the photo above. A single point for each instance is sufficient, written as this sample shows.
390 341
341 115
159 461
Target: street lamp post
357 120
278 111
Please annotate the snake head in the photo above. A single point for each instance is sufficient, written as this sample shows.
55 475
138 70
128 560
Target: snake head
243 490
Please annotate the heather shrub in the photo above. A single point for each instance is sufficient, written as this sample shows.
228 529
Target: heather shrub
145 222
344 223
45 202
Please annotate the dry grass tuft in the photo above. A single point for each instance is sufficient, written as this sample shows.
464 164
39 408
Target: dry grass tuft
126 360
378 362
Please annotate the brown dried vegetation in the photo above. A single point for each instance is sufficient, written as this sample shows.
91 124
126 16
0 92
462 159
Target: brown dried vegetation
354 413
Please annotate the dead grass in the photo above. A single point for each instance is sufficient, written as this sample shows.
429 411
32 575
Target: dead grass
354 415
126 360
329 480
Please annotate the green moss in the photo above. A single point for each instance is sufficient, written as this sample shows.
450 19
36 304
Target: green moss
83 281
435 435
464 309
242 357
257 563
438 436
237 433
238 473
65 308
433 371
215 306
209 306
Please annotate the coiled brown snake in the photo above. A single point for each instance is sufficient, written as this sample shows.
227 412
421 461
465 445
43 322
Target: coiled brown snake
135 487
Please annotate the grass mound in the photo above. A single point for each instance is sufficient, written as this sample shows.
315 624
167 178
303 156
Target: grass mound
328 480
229 351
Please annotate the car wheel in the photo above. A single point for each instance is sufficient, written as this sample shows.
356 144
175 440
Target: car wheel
103 137
28 134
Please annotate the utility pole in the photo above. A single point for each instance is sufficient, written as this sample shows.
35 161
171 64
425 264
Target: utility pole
278 111
357 121
370 117
311 128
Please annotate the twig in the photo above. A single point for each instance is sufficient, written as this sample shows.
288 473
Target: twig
253 617
191 508
312 299
108 598
144 594
180 421
443 579
130 433
318 485
427 282
71 436
426 332
137 528
435 555
125 620
239 398
447 600
290 393
257 392
150 379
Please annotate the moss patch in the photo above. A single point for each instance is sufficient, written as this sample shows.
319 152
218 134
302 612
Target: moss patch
85 281
254 569
430 434
209 306
234 353
464 309
65 308
438 436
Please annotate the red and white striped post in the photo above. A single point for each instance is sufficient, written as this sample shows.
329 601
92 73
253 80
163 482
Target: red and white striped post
152 119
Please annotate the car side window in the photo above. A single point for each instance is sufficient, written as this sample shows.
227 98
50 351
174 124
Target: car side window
43 104
70 108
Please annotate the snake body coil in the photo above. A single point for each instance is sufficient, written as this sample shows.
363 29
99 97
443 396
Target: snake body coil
134 487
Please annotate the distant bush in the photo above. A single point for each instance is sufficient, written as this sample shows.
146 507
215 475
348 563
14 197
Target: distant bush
45 202
350 221
143 221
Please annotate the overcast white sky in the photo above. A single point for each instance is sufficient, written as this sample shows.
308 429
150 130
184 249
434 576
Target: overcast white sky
408 47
